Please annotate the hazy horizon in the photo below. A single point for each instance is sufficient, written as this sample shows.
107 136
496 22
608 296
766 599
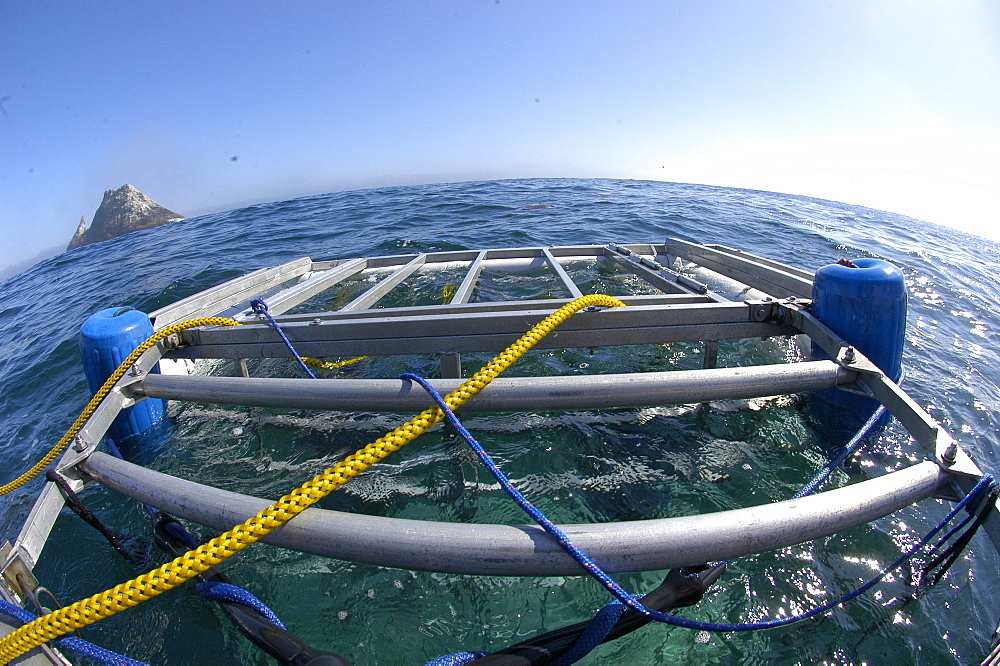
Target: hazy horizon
886 104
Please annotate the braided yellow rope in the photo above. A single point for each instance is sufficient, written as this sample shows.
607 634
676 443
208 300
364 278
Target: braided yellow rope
103 392
447 293
194 562
331 365
105 389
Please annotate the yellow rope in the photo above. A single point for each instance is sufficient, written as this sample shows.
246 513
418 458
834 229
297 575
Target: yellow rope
118 374
331 365
103 392
199 560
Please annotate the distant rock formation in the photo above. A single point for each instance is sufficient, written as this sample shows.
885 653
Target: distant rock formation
123 210
81 230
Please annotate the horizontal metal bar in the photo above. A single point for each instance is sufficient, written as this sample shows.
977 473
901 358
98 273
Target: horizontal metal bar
805 275
216 299
454 308
489 331
379 346
506 394
526 550
219 298
770 280
479 323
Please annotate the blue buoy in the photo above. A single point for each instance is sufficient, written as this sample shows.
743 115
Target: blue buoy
106 339
864 302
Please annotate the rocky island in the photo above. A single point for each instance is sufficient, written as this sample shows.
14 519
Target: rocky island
122 211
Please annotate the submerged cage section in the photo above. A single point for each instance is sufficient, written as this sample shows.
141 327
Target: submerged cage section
447 312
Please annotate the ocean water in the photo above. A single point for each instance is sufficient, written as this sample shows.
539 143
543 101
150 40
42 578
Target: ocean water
580 466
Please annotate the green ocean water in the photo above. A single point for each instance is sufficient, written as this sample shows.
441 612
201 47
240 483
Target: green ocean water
577 466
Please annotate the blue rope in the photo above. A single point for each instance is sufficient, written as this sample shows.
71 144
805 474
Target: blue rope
594 634
839 459
210 590
853 445
974 497
260 307
72 642
214 591
456 659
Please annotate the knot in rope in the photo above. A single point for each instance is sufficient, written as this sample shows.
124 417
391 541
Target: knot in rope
260 307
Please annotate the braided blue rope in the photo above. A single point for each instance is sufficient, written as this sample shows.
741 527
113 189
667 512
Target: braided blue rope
594 634
953 531
456 659
215 591
847 451
853 445
210 590
79 645
260 307
974 497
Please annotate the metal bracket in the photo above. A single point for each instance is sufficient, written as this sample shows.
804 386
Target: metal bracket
16 573
130 387
761 310
951 457
14 593
172 341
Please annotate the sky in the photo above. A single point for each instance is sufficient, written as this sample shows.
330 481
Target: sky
206 106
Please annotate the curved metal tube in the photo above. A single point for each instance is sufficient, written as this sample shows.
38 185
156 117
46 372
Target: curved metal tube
526 550
638 389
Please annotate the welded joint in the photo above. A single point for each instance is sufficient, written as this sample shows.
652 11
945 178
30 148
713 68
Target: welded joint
72 475
130 388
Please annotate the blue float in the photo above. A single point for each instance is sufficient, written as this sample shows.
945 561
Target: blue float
864 302
106 339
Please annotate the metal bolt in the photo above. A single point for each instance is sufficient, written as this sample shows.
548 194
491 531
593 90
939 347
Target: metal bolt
315 322
950 454
79 445
135 370
849 355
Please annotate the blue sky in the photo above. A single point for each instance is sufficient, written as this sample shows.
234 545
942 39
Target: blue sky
888 104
